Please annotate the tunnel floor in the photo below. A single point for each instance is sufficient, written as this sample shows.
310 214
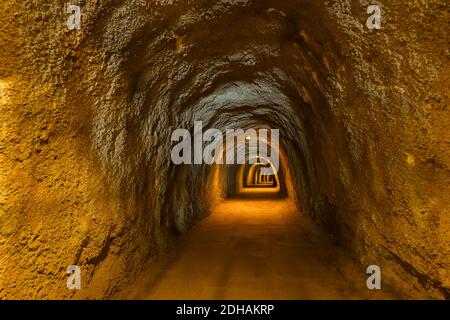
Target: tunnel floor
254 249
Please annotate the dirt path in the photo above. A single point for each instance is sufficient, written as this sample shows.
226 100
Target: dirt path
253 249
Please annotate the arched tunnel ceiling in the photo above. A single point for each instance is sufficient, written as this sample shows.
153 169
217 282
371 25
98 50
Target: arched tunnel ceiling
362 114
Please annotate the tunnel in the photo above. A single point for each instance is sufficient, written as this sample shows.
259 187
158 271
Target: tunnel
88 178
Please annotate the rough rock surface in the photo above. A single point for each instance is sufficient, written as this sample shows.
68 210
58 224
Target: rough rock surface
86 118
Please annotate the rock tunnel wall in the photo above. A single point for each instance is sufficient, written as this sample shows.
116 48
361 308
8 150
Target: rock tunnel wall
87 116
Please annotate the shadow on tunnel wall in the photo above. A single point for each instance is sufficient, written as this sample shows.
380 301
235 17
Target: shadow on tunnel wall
87 115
